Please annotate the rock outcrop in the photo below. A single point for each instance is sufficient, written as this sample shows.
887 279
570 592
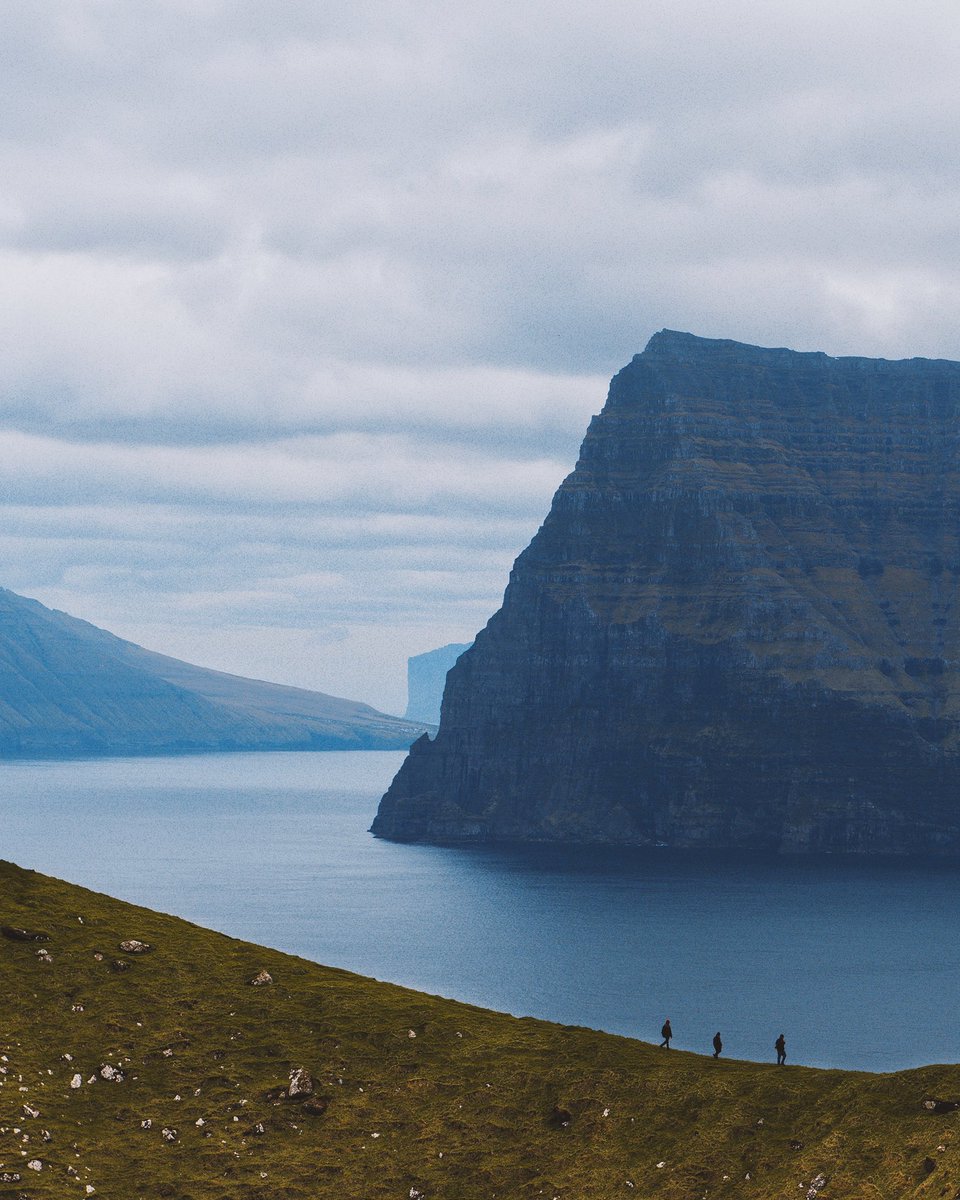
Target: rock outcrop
737 627
70 689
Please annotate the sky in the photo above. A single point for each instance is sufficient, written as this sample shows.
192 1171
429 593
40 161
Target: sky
305 308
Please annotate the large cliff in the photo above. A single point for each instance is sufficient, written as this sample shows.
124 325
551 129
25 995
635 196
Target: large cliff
737 627
68 688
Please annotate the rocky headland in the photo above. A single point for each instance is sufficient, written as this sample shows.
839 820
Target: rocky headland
737 627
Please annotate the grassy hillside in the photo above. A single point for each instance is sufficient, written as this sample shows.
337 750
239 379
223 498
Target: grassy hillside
414 1095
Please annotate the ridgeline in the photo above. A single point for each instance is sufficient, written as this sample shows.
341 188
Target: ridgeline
139 1060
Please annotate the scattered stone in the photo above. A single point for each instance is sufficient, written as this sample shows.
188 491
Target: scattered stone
255 1130
119 964
661 1165
606 1112
76 1008
114 1074
90 1189
16 934
169 1135
146 1123
35 1164
315 1105
817 1186
46 1135
416 1194
168 1053
260 980
76 1082
30 1112
301 1083
795 1145
98 956
44 956
275 1095
10 1177
134 946
932 1104
66 1058
629 1183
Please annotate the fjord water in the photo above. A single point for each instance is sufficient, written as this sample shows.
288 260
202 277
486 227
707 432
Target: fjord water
858 963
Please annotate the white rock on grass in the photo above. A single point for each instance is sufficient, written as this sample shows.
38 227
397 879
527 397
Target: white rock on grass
301 1083
76 1082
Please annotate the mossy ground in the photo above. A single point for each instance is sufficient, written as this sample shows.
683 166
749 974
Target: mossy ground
462 1110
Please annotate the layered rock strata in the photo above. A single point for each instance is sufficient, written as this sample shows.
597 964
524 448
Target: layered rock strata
737 627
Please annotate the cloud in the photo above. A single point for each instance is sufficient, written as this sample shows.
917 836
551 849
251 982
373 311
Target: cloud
305 308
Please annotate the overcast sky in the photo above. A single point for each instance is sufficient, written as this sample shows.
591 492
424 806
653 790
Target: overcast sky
304 307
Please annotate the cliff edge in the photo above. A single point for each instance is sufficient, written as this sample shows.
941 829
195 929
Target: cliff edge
737 627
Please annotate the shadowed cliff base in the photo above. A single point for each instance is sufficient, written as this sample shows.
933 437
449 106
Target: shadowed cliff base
737 627
144 1056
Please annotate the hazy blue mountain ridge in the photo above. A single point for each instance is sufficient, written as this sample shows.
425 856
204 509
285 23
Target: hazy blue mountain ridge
69 688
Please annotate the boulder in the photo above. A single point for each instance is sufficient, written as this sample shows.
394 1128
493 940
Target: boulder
301 1083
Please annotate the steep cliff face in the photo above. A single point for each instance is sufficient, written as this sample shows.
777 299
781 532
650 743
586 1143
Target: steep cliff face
738 625
426 676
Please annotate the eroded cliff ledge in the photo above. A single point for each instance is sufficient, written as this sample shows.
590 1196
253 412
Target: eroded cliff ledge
737 627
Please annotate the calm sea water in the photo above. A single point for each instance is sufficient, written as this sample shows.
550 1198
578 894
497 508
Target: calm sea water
857 963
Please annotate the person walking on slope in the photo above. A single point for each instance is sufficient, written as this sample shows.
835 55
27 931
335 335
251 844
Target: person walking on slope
717 1044
781 1048
666 1033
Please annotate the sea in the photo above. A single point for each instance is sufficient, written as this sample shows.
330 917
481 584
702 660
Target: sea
857 963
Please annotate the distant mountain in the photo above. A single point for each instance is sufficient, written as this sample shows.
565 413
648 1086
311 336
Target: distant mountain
426 675
68 688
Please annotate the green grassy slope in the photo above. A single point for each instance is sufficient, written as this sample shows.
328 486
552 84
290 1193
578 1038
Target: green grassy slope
460 1110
